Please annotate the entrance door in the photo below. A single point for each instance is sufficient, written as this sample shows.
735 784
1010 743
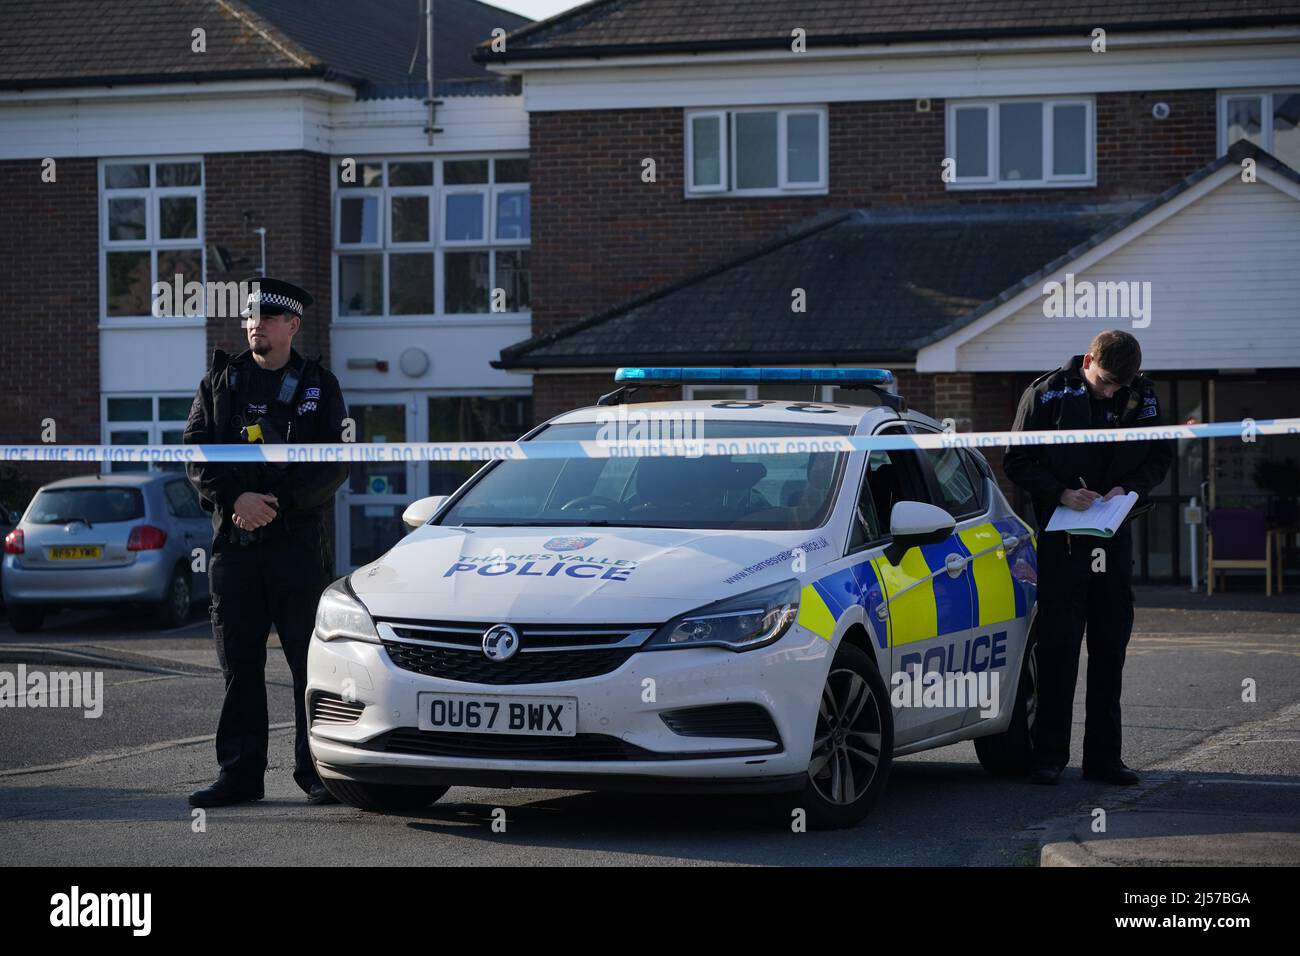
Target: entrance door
369 510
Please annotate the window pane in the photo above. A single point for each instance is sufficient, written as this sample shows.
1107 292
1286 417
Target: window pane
130 410
1069 140
126 219
188 264
179 174
972 150
706 151
176 437
178 217
755 150
956 491
465 216
126 175
472 418
174 409
410 218
1020 141
1243 115
512 214
514 277
361 285
410 284
1286 128
129 280
379 423
512 170
466 275
410 174
461 172
366 174
359 219
803 148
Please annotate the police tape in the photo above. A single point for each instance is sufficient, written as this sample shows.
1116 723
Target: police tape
372 452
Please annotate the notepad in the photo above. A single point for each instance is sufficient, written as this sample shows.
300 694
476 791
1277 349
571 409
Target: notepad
1102 520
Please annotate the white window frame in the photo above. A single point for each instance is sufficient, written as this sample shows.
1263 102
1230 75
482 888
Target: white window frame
1050 180
152 243
1265 114
728 155
437 245
154 427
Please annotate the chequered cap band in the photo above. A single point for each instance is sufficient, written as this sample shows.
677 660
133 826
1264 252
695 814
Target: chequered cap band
273 298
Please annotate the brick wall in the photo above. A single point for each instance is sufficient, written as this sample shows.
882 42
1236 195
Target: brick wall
288 193
49 306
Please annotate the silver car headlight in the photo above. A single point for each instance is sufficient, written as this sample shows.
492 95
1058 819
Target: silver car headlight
739 623
340 616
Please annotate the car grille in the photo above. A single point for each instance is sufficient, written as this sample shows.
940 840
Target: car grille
328 709
547 654
600 747
723 720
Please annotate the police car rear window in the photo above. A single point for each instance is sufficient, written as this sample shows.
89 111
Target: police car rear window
752 489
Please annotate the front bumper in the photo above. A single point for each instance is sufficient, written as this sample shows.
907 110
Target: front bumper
618 712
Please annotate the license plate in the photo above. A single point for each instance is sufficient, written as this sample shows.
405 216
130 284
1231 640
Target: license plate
66 552
475 714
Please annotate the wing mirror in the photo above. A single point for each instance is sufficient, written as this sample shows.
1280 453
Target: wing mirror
418 512
914 523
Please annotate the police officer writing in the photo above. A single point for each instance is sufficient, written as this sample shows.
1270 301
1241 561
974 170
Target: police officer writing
1085 582
270 559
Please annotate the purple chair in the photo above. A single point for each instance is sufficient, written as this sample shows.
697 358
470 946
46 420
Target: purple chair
1238 539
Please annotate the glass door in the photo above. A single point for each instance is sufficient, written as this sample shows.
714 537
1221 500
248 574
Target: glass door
370 507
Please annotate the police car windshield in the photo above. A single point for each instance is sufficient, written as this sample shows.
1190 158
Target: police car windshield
752 490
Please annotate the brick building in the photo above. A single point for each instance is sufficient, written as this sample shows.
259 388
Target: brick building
920 174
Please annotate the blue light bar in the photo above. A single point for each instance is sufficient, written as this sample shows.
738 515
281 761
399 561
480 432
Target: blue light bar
754 376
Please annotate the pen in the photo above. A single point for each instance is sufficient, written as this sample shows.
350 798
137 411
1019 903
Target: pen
1083 483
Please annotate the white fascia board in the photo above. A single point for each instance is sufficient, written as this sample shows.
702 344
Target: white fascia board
941 356
307 86
1179 39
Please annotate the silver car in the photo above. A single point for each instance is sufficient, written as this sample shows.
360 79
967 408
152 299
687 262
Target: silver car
107 539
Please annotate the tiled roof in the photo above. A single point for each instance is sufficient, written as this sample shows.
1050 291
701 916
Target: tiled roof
608 26
71 42
879 285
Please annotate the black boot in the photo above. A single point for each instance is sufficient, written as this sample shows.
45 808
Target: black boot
1115 773
225 791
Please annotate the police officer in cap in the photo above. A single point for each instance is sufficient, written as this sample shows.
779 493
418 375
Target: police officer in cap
270 558
1085 582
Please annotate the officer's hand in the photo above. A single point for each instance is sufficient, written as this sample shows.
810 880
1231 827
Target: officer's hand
253 510
1080 499
1117 490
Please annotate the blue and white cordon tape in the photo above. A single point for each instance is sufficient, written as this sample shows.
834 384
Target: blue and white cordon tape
365 452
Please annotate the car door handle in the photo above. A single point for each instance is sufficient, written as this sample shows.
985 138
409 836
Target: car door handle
955 564
1010 542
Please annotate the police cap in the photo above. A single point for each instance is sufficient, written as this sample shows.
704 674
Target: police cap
275 297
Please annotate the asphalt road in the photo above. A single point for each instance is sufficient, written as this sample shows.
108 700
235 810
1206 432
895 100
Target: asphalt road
112 790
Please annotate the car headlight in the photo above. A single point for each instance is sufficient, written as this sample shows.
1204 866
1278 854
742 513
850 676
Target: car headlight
739 623
340 616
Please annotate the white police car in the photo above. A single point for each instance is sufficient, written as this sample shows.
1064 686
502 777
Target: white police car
718 623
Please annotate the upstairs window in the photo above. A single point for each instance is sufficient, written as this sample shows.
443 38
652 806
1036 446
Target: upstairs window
756 152
1008 144
1270 120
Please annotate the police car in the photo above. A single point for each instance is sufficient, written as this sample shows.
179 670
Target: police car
719 623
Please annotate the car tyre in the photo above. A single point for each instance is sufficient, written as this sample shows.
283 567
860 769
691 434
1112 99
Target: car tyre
174 609
1011 753
25 618
383 797
853 744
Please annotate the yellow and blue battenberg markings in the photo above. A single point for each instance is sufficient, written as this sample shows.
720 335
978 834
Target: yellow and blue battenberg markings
1000 585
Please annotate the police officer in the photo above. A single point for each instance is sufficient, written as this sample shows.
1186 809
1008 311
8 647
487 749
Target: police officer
270 559
1078 589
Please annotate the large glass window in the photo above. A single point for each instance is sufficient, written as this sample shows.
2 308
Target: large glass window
1010 143
1269 119
145 420
433 237
756 151
151 216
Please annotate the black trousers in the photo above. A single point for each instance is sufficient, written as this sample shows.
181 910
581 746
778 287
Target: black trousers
276 581
1074 596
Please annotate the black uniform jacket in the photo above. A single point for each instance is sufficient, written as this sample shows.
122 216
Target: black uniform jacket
304 490
1059 400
